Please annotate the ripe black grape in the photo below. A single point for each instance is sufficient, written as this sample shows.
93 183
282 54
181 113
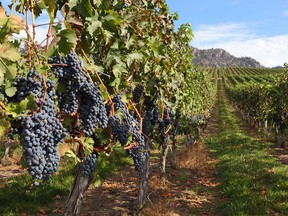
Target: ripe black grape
119 130
168 119
137 152
137 93
42 131
89 164
78 93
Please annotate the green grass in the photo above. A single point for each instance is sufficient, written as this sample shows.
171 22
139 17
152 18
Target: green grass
253 182
19 197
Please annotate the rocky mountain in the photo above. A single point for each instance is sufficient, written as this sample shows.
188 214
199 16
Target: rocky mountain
221 58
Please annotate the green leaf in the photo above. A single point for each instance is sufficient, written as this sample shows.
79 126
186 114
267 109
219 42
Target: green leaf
42 69
133 57
10 91
70 155
94 24
103 91
67 41
1 75
97 2
118 69
88 143
129 43
72 3
98 182
51 8
116 83
84 8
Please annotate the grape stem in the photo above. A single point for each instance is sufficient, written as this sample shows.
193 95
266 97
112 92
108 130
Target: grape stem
138 114
2 105
168 129
45 87
59 65
29 37
162 107
48 35
98 150
33 19
131 146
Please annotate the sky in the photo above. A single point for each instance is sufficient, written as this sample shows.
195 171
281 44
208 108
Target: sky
253 28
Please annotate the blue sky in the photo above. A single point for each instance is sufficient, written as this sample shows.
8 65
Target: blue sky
255 28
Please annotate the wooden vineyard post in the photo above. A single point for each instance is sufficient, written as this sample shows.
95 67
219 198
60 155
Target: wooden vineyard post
173 149
80 185
163 156
143 180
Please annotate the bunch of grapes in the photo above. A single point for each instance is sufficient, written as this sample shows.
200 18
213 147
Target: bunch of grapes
119 130
77 90
168 119
137 93
137 151
27 85
42 131
151 114
89 164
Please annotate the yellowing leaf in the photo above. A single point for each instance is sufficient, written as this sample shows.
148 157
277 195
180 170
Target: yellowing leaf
17 22
8 52
2 13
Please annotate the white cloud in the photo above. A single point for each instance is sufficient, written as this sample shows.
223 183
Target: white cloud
240 40
41 33
222 31
285 13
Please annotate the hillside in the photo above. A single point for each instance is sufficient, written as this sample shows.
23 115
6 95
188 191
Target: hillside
221 58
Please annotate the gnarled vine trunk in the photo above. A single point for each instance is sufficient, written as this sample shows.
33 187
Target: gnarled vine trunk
163 157
143 181
173 150
80 185
77 191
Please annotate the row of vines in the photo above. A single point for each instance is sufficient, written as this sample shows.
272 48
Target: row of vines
109 74
262 99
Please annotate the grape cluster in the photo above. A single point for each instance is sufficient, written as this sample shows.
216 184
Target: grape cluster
151 114
77 90
137 93
119 130
27 85
137 151
42 131
89 164
168 119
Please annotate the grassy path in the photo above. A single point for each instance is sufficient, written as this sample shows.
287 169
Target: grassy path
253 182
